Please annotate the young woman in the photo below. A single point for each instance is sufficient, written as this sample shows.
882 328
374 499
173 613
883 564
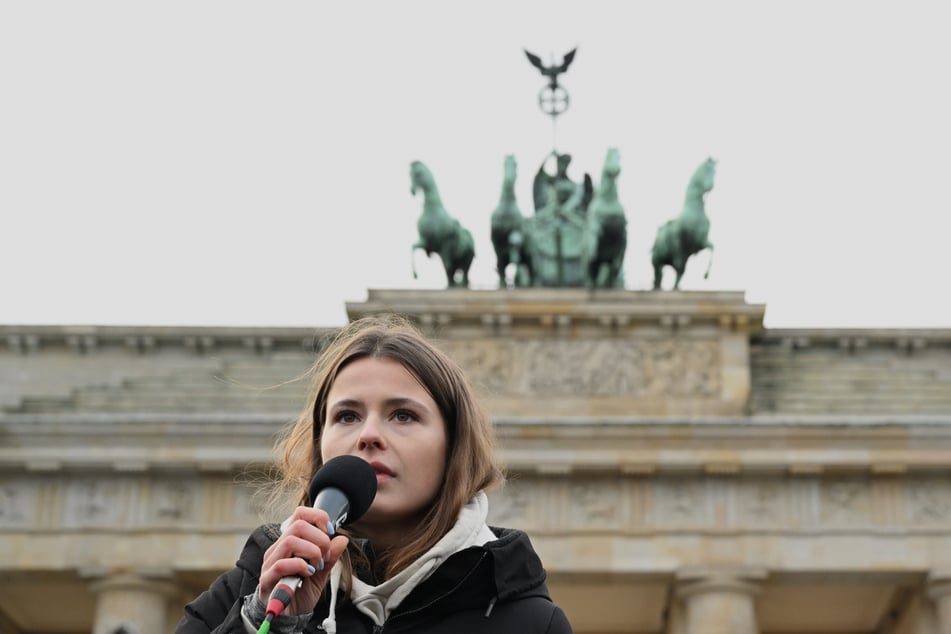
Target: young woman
422 558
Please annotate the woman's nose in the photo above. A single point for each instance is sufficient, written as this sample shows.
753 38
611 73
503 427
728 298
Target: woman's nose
371 433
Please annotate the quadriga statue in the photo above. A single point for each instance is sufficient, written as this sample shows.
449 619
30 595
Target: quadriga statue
688 233
439 232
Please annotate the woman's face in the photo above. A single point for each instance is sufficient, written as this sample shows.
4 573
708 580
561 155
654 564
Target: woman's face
378 411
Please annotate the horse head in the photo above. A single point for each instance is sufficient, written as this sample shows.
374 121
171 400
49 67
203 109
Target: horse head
606 194
612 164
703 177
509 169
420 177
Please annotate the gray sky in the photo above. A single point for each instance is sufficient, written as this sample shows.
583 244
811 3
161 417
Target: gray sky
239 163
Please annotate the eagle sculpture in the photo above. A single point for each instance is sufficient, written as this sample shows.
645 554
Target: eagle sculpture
552 72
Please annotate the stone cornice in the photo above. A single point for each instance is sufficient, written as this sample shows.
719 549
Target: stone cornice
850 339
551 310
605 314
144 339
805 446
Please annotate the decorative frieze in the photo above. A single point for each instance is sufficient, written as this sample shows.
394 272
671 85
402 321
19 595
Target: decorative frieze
57 503
15 504
616 503
929 500
845 501
711 503
592 367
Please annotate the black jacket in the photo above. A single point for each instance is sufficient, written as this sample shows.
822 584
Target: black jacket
498 588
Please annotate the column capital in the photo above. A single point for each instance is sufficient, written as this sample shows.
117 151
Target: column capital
733 579
101 581
938 583
134 600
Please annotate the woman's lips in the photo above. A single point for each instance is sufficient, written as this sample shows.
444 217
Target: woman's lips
382 471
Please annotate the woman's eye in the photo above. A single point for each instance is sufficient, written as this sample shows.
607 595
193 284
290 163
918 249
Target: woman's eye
345 417
404 417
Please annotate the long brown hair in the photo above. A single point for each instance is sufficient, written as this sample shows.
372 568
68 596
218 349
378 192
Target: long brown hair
471 462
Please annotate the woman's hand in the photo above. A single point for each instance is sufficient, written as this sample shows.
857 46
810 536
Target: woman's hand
304 540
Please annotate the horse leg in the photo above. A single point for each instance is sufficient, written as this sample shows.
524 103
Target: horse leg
708 245
500 265
448 267
412 256
524 270
679 267
658 264
465 261
502 257
614 273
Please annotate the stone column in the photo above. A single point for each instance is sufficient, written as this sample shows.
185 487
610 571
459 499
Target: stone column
939 591
676 618
720 600
133 602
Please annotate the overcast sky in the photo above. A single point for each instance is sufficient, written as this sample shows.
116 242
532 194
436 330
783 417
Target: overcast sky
239 163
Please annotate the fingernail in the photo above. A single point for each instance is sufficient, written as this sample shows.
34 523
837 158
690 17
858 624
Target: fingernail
312 570
320 564
330 529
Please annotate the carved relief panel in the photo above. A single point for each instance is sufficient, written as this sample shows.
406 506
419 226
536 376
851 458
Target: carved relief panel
592 367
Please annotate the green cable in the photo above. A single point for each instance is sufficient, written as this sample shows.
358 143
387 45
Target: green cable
266 626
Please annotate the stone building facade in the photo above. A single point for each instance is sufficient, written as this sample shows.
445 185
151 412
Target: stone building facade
681 469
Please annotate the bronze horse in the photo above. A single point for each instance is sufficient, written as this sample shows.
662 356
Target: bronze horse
509 233
605 234
687 234
439 232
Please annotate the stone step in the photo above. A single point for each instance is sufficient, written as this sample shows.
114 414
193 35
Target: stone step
44 404
817 384
831 366
208 385
204 401
867 406
838 408
857 388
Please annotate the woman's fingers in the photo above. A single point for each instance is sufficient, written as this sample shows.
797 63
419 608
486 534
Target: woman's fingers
303 548
337 546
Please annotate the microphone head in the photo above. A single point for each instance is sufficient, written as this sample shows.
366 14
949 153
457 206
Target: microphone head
353 476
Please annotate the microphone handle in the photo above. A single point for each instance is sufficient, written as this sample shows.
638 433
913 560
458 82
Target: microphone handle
282 594
335 503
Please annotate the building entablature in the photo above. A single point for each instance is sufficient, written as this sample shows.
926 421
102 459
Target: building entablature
624 445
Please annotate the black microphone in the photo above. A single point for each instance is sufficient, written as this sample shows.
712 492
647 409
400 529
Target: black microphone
344 487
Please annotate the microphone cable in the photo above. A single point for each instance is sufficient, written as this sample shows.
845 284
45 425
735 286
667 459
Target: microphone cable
266 625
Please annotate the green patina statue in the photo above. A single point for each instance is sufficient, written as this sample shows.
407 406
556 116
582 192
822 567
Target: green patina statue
605 235
555 231
687 234
509 237
557 190
439 232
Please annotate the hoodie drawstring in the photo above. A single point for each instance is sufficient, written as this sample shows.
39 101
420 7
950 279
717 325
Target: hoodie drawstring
330 623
